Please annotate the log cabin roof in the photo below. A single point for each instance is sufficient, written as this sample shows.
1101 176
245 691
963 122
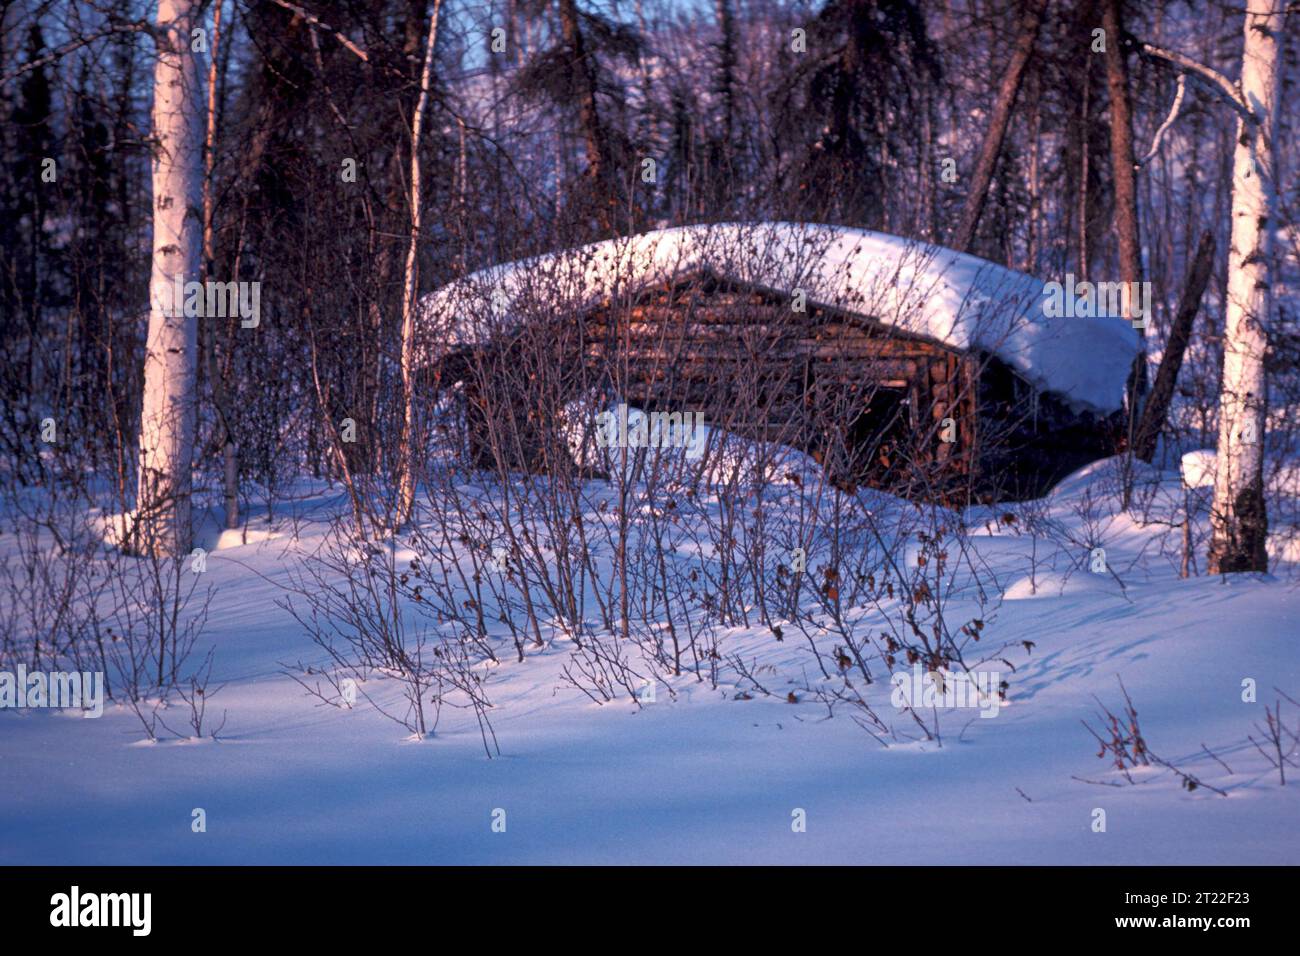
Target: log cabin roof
956 299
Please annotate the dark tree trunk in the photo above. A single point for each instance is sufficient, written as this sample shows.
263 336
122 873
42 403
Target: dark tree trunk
1124 171
1162 392
594 135
1031 19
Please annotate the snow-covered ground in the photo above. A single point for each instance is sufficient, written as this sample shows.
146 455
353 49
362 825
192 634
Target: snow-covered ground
702 775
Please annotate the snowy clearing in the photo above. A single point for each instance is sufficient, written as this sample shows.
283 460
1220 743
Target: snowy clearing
703 775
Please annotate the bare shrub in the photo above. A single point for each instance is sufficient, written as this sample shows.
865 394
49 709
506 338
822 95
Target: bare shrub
355 602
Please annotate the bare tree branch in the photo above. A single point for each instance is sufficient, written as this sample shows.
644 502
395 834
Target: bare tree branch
1169 121
321 25
1226 89
134 26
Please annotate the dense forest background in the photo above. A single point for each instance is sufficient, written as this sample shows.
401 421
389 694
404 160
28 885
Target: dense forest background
554 122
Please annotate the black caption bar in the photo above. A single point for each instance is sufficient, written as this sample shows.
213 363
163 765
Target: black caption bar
336 904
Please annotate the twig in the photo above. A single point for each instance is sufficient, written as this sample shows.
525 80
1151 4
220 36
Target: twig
1169 121
135 26
1215 756
321 25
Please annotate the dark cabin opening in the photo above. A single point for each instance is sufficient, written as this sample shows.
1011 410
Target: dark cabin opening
878 436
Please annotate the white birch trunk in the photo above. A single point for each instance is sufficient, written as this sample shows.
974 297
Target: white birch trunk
167 414
1239 517
406 457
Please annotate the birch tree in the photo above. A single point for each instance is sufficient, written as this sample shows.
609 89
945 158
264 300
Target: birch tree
1239 515
406 452
167 415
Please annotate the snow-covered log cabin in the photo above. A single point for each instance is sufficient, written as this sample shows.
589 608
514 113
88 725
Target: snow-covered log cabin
894 363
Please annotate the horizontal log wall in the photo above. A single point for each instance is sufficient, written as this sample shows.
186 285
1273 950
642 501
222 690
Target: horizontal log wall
869 401
758 368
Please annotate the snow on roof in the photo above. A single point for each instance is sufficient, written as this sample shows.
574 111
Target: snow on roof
953 298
